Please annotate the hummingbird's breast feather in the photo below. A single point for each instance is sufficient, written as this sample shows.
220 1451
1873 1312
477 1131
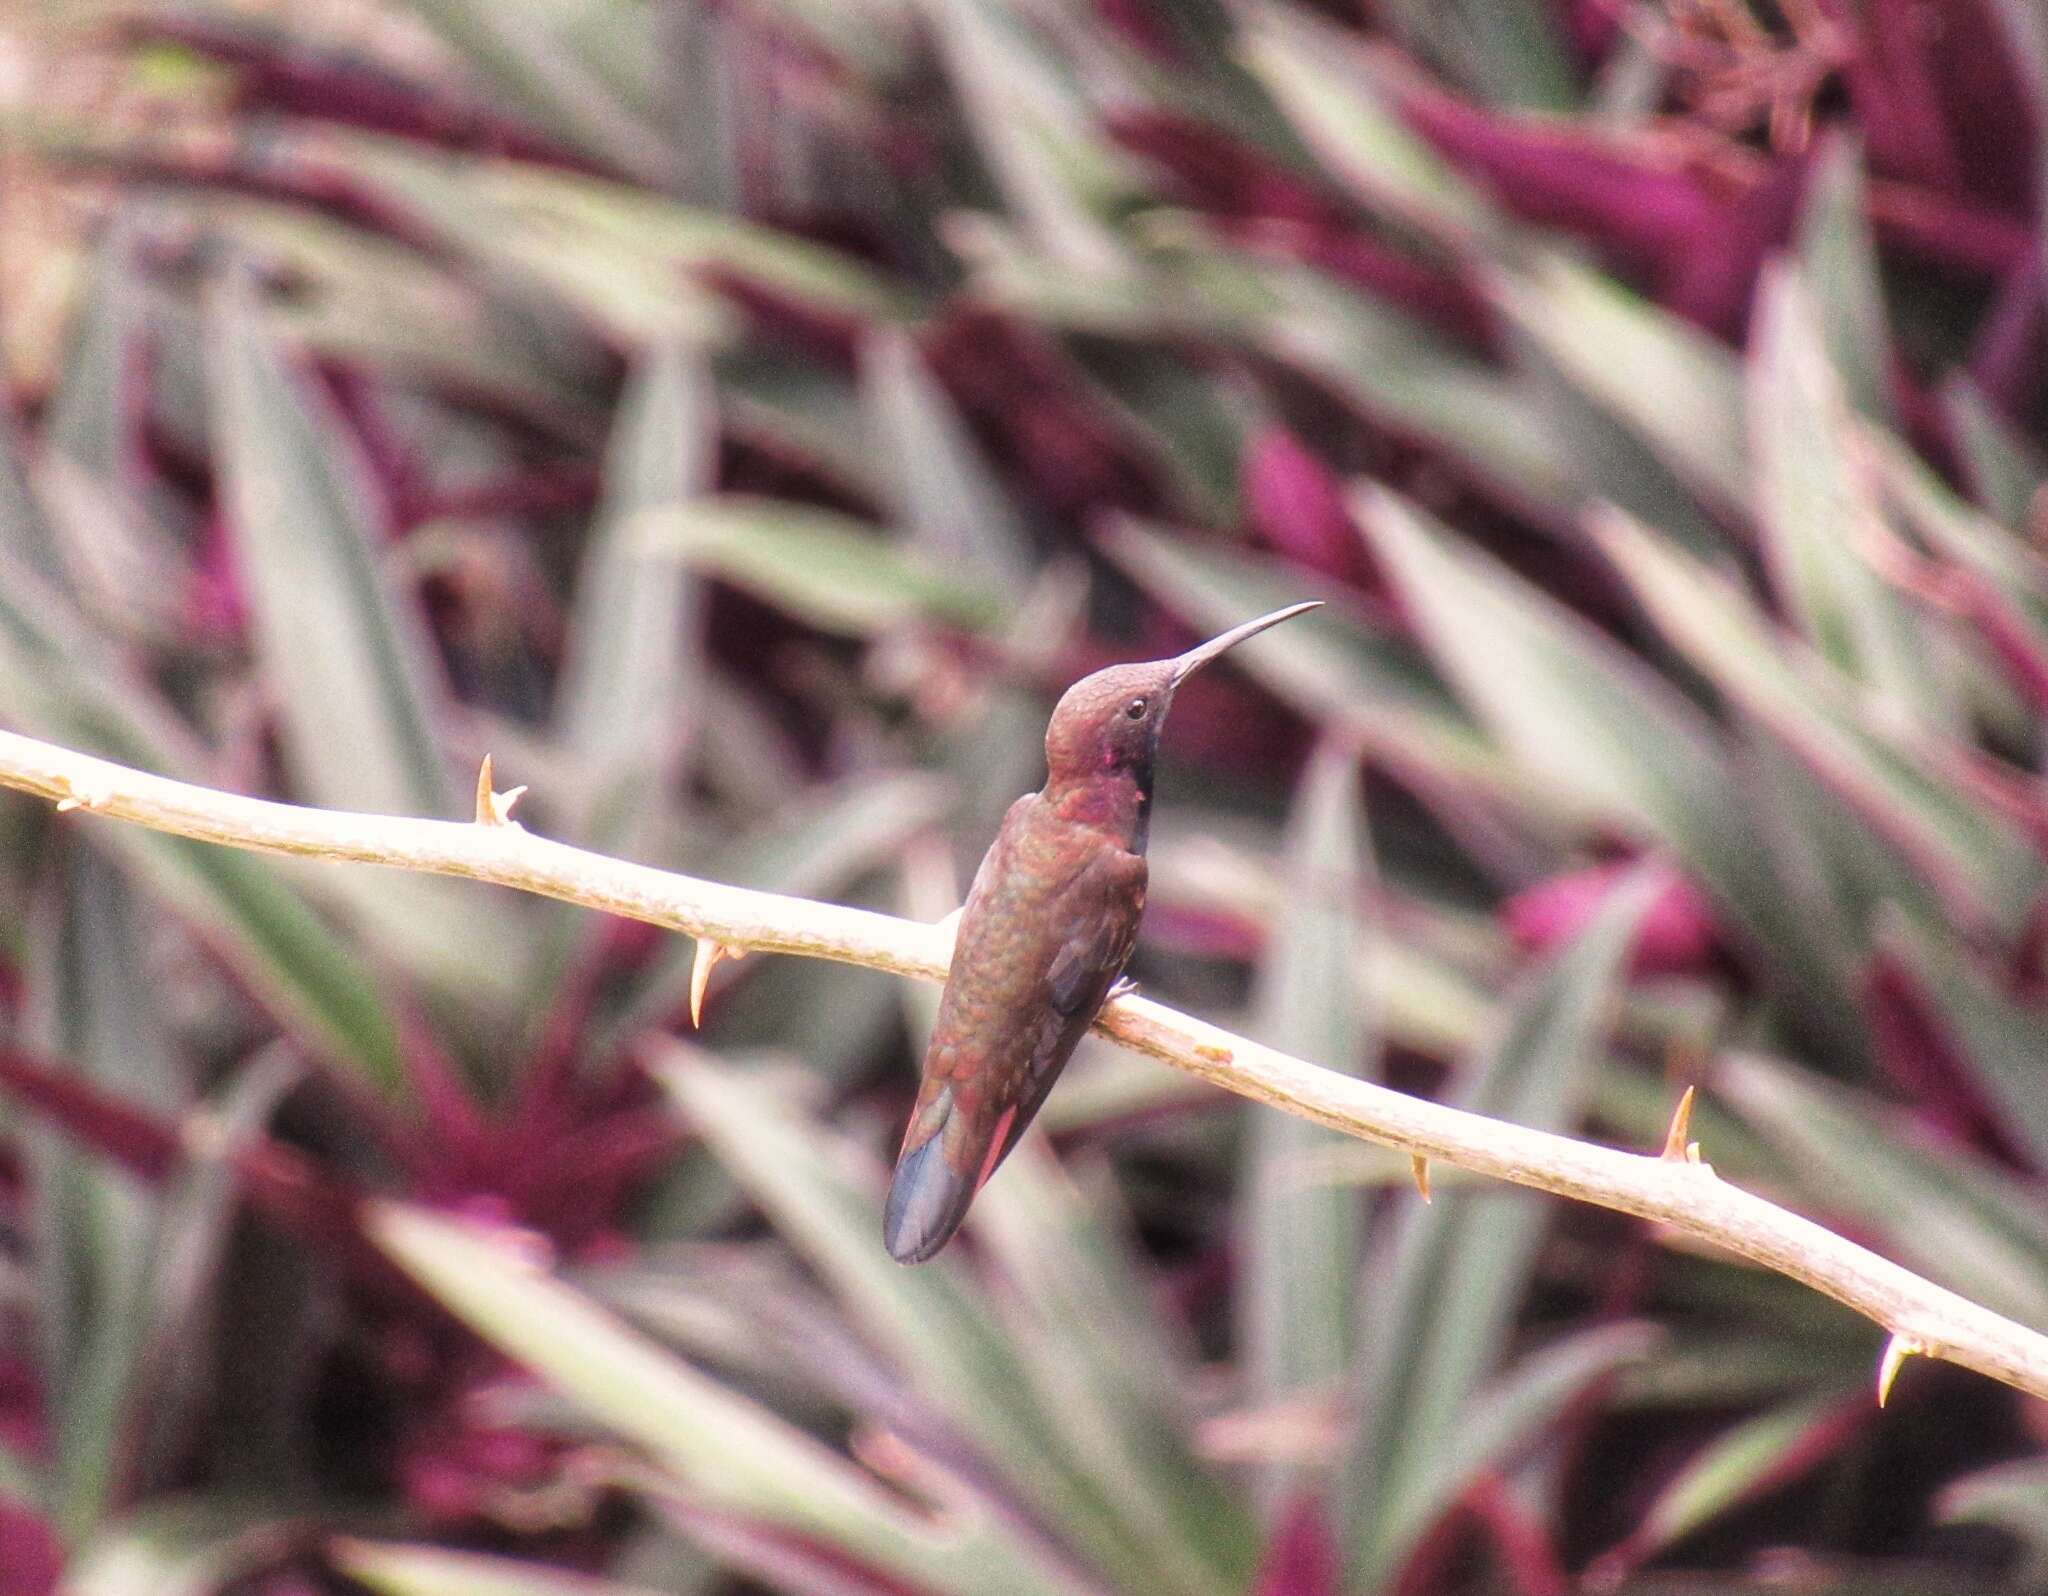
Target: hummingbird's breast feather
1049 924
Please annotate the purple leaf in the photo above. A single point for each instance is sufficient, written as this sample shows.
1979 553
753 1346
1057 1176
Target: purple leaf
1294 504
295 77
1917 1051
1301 1557
1677 934
29 1559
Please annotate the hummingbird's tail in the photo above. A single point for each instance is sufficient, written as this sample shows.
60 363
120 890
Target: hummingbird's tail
927 1200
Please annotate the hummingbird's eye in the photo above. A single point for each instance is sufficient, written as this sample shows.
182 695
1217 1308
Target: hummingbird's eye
1135 709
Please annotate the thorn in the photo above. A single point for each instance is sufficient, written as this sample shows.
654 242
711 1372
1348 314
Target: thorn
75 798
708 955
1677 1149
493 808
1896 1351
1421 1167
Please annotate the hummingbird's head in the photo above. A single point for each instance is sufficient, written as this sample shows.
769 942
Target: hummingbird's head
1110 721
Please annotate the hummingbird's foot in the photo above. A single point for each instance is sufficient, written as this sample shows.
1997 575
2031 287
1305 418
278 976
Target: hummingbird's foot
1123 986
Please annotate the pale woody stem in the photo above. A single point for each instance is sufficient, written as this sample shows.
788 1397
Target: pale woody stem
1921 1316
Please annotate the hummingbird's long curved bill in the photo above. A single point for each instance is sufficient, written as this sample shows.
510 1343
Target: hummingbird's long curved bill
1194 659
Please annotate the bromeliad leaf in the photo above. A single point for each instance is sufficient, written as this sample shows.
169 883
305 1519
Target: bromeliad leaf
2001 1037
1085 1320
1974 859
1596 724
393 1569
826 569
625 700
361 701
1817 511
1662 378
1300 1233
1326 91
947 497
1450 1276
525 48
935 1323
90 1002
723 1452
1838 261
1742 1462
358 691
60 682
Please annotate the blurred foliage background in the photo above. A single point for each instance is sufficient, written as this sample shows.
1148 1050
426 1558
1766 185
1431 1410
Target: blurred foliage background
742 417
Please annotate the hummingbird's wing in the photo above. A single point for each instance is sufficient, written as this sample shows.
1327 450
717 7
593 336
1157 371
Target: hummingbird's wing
1036 953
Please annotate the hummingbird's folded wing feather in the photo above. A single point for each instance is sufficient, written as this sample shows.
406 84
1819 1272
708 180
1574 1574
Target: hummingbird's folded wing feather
1101 909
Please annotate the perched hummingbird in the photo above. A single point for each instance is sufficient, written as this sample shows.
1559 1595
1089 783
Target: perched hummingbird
1047 929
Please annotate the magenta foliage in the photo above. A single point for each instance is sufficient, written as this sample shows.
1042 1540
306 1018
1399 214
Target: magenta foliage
1678 934
1295 505
1926 1061
28 1550
1301 1558
281 74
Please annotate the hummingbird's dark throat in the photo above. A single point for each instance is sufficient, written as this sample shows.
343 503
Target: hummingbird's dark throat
1119 802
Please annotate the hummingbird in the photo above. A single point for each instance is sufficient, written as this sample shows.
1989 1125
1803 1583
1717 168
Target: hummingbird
1042 942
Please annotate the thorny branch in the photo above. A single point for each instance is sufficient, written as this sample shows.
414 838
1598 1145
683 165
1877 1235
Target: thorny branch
1672 1186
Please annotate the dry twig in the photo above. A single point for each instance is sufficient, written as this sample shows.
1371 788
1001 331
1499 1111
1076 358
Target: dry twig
1920 1316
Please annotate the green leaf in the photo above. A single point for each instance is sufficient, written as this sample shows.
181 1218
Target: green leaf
1584 718
1815 504
184 1546
557 254
125 1272
1738 1464
2014 1497
359 693
396 1570
524 49
1325 88
1451 1275
1838 259
1085 1319
2011 573
92 1006
26 537
1416 382
1578 713
1502 52
352 662
592 230
1299 1234
1668 382
934 1321
625 700
825 568
2000 1037
1034 130
2003 468
1973 858
947 497
60 682
725 1453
